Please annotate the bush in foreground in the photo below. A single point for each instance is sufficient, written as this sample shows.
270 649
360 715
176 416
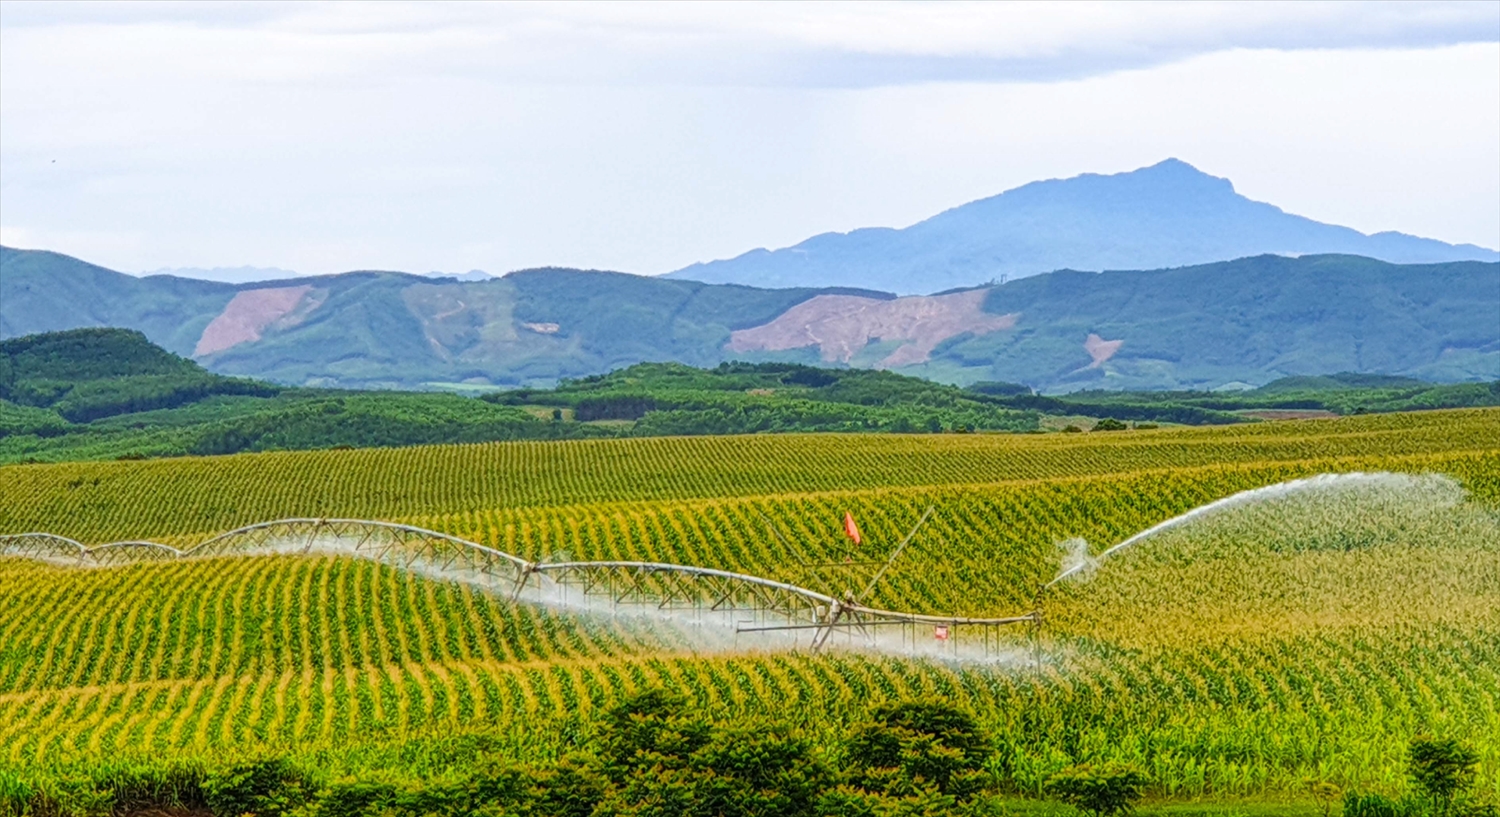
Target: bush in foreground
653 757
1102 791
1443 768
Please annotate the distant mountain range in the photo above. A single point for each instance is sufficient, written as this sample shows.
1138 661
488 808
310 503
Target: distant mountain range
1167 215
250 275
1247 321
228 275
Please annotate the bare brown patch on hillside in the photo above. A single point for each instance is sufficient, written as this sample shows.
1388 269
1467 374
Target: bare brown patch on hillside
841 325
247 315
1100 349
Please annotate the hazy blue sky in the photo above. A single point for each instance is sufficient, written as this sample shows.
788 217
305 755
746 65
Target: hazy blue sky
326 137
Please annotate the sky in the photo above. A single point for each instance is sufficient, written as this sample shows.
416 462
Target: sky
324 137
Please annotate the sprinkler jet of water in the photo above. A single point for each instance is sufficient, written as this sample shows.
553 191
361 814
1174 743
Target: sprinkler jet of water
1080 562
1280 489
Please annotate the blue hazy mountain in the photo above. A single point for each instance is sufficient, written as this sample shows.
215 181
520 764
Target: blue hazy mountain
228 275
1168 215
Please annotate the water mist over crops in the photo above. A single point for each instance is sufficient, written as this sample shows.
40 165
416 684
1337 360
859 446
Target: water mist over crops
683 628
1322 512
1371 491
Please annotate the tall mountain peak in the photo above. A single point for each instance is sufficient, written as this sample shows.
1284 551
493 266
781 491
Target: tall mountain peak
1168 214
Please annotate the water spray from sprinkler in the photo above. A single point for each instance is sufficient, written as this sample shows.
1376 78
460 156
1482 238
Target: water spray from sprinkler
1074 565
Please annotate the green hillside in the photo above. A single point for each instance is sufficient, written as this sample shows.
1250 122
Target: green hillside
1235 324
1253 320
47 292
90 374
392 330
111 394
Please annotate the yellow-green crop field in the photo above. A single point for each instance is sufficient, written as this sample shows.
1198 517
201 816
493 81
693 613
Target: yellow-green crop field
1304 637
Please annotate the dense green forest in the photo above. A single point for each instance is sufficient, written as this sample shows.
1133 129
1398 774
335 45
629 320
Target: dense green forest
1345 393
112 394
674 399
748 398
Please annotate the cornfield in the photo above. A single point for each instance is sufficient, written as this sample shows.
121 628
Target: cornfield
1242 654
189 497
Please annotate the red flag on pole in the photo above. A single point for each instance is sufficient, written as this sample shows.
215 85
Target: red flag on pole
851 529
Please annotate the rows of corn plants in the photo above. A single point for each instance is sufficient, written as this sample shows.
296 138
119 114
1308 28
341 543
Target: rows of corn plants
1235 719
1302 639
187 497
236 617
986 549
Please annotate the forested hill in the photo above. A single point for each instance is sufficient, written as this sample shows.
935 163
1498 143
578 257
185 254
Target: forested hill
1253 320
111 394
89 374
670 398
390 329
1231 324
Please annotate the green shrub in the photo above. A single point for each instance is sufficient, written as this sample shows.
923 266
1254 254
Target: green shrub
1443 768
1102 791
264 788
663 761
915 745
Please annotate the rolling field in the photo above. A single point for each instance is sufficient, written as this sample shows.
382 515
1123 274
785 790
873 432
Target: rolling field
190 497
1306 635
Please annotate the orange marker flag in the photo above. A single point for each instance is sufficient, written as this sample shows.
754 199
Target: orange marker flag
851 529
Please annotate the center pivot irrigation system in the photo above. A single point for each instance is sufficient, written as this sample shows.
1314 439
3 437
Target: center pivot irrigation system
748 604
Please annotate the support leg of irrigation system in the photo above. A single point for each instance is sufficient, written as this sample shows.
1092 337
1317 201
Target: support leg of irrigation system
525 573
821 635
1036 630
312 534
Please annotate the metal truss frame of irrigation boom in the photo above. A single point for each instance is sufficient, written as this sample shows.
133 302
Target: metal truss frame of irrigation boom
771 606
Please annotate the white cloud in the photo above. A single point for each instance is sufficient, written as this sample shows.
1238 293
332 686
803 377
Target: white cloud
323 137
737 43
